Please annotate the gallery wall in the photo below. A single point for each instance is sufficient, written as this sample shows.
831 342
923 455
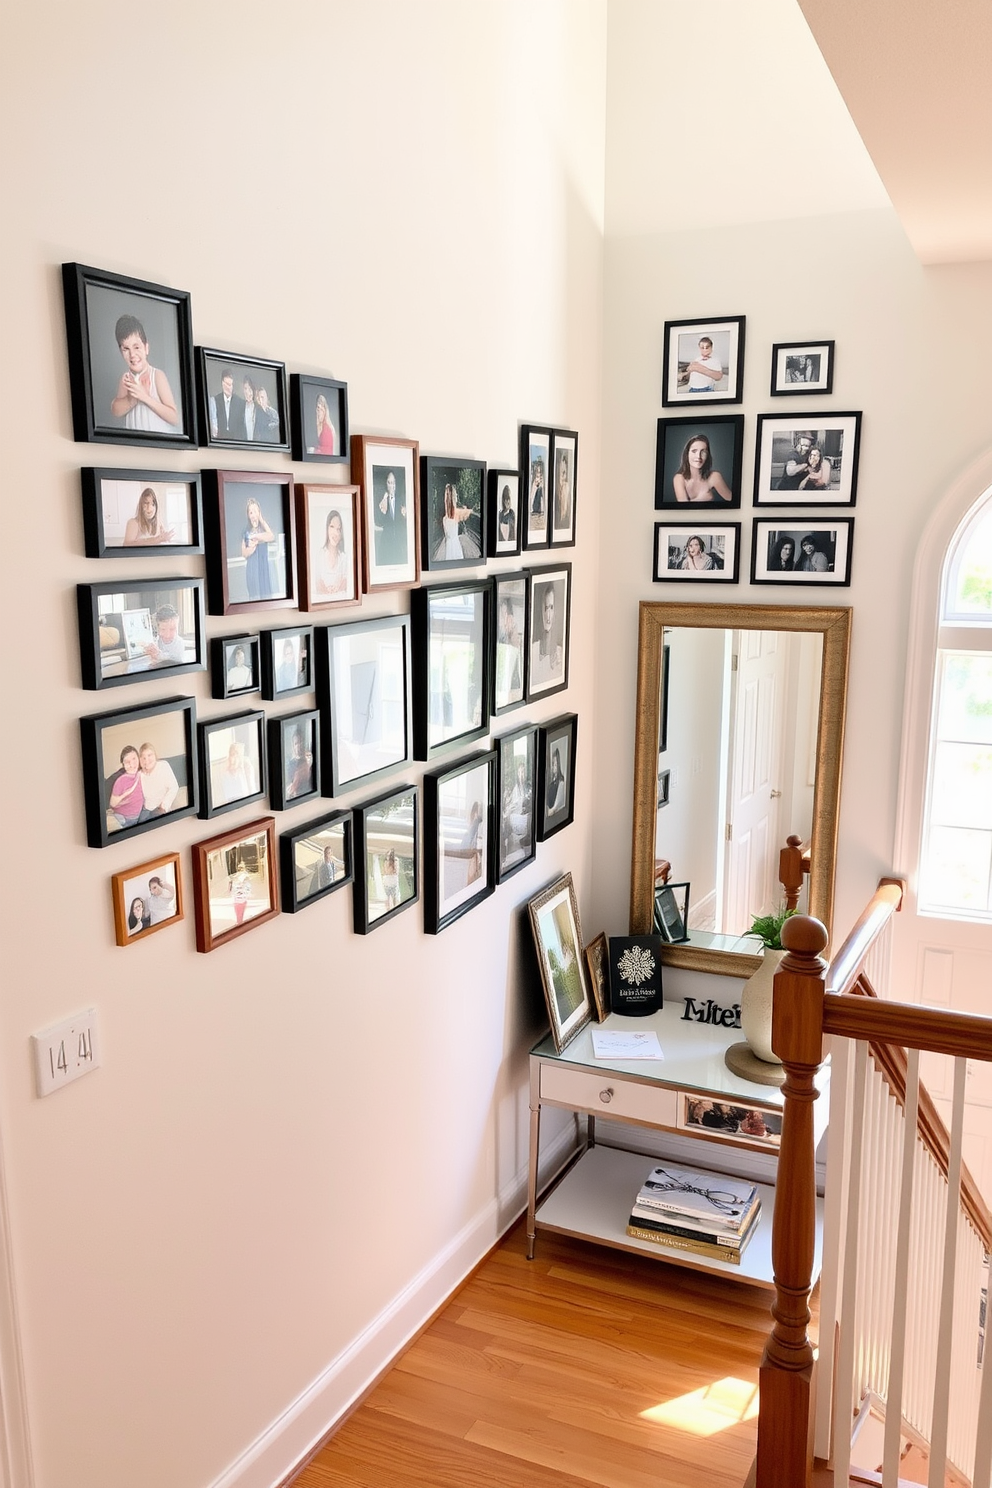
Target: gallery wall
297 1145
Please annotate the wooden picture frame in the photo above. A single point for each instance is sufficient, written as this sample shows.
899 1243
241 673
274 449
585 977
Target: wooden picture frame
802 367
459 855
155 747
556 743
388 473
504 516
511 620
252 412
136 630
140 513
597 955
232 762
554 918
549 630
294 759
451 660
157 886
250 522
703 361
329 543
387 855
319 419
452 513
516 774
535 486
807 461
316 860
698 464
564 468
364 690
287 662
680 546
235 666
235 883
820 551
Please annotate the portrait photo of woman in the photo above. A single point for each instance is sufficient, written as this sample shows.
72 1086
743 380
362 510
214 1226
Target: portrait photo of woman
319 419
698 461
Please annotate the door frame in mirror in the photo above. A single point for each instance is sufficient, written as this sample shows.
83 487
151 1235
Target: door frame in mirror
834 625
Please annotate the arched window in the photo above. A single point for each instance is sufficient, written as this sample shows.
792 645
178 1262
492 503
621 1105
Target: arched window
955 879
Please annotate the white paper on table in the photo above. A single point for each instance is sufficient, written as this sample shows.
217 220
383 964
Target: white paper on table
609 1043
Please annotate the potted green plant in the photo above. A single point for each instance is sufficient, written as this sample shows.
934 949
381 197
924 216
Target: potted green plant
768 928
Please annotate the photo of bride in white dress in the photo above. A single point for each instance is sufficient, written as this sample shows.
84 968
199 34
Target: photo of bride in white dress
453 513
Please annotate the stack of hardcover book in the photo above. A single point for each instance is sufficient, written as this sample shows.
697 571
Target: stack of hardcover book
693 1209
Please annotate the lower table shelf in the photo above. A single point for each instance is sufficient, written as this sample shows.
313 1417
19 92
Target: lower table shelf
594 1199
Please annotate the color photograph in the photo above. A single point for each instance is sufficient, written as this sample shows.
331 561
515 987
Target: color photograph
554 917
329 531
147 898
251 553
243 401
234 883
458 865
128 634
232 761
535 469
139 768
320 419
386 880
698 461
131 513
316 859
452 508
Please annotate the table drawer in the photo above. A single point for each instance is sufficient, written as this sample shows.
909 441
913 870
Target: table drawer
608 1094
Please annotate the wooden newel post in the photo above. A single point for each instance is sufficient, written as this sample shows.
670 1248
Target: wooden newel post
785 1418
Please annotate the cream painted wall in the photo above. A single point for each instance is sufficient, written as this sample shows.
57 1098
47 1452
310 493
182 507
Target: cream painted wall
296 1145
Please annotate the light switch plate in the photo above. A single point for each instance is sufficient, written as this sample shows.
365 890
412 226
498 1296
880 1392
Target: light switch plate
65 1051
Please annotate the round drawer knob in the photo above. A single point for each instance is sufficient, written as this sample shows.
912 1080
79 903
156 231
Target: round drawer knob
606 1095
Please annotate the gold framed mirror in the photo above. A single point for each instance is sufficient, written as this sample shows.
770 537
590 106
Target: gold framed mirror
739 724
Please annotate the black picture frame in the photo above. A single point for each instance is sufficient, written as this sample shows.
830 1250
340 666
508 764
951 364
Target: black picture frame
503 507
330 444
168 726
548 637
287 662
364 690
556 743
460 843
387 858
136 630
329 543
785 451
230 678
155 323
511 621
232 762
224 424
535 486
240 582
117 519
452 626
294 759
677 477
825 545
666 663
803 368
676 543
452 513
564 494
664 787
671 912
308 873
682 346
516 774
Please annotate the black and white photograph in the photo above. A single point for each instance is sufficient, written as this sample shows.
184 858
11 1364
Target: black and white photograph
550 614
452 511
459 859
232 762
703 361
287 661
147 898
697 552
130 359
251 551
329 536
294 759
698 461
388 472
386 858
363 688
133 632
235 667
802 367
319 419
535 473
138 513
510 641
786 551
139 768
564 462
556 774
808 463
516 773
451 660
315 860
243 402
503 513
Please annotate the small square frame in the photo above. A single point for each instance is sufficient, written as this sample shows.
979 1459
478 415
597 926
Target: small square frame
288 789
364 692
108 492
682 337
784 441
309 443
511 618
284 676
315 838
271 426
554 919
833 541
452 652
535 486
168 723
230 581
327 584
564 468
721 544
556 777
217 778
131 651
516 829
504 497
671 912
459 852
223 650
124 897
379 877
246 852
802 367
548 653
391 549
673 474
452 490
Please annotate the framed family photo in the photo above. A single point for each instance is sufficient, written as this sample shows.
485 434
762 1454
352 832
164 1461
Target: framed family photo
132 632
509 668
700 552
287 661
232 762
564 458
554 918
535 472
556 775
251 547
147 898
808 462
139 768
387 471
329 533
724 1121
316 860
451 659
130 359
320 419
452 513
698 461
787 551
242 399
235 666
294 759
802 367
516 774
363 689
703 361
459 852
235 887
503 508
387 845
550 620
137 513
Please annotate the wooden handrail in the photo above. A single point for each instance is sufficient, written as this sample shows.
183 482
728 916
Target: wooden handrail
910 1025
793 865
845 968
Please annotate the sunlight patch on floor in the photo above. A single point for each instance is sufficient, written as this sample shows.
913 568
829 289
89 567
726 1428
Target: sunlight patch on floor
705 1412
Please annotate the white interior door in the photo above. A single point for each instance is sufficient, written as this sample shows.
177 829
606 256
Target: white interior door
760 673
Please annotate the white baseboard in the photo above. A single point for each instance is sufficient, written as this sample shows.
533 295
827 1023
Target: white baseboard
292 1436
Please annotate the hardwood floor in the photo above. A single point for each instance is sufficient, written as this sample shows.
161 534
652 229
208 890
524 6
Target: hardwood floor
583 1366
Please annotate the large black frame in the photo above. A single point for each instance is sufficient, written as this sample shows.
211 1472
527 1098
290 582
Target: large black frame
365 818
675 537
831 545
551 737
355 695
251 722
130 639
478 857
438 475
837 439
310 834
211 365
675 438
95 541
435 661
98 782
304 391
516 840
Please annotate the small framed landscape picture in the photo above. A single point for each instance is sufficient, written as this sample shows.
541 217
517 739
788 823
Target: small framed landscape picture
294 759
503 507
130 359
315 860
329 531
137 513
550 619
232 762
516 773
320 419
243 402
235 887
810 464
459 857
139 768
535 468
387 471
556 774
802 367
698 552
363 688
704 361
728 1122
564 458
509 668
598 966
452 513
698 462
251 547
287 661
132 632
235 667
554 918
147 898
787 551
386 858
451 659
